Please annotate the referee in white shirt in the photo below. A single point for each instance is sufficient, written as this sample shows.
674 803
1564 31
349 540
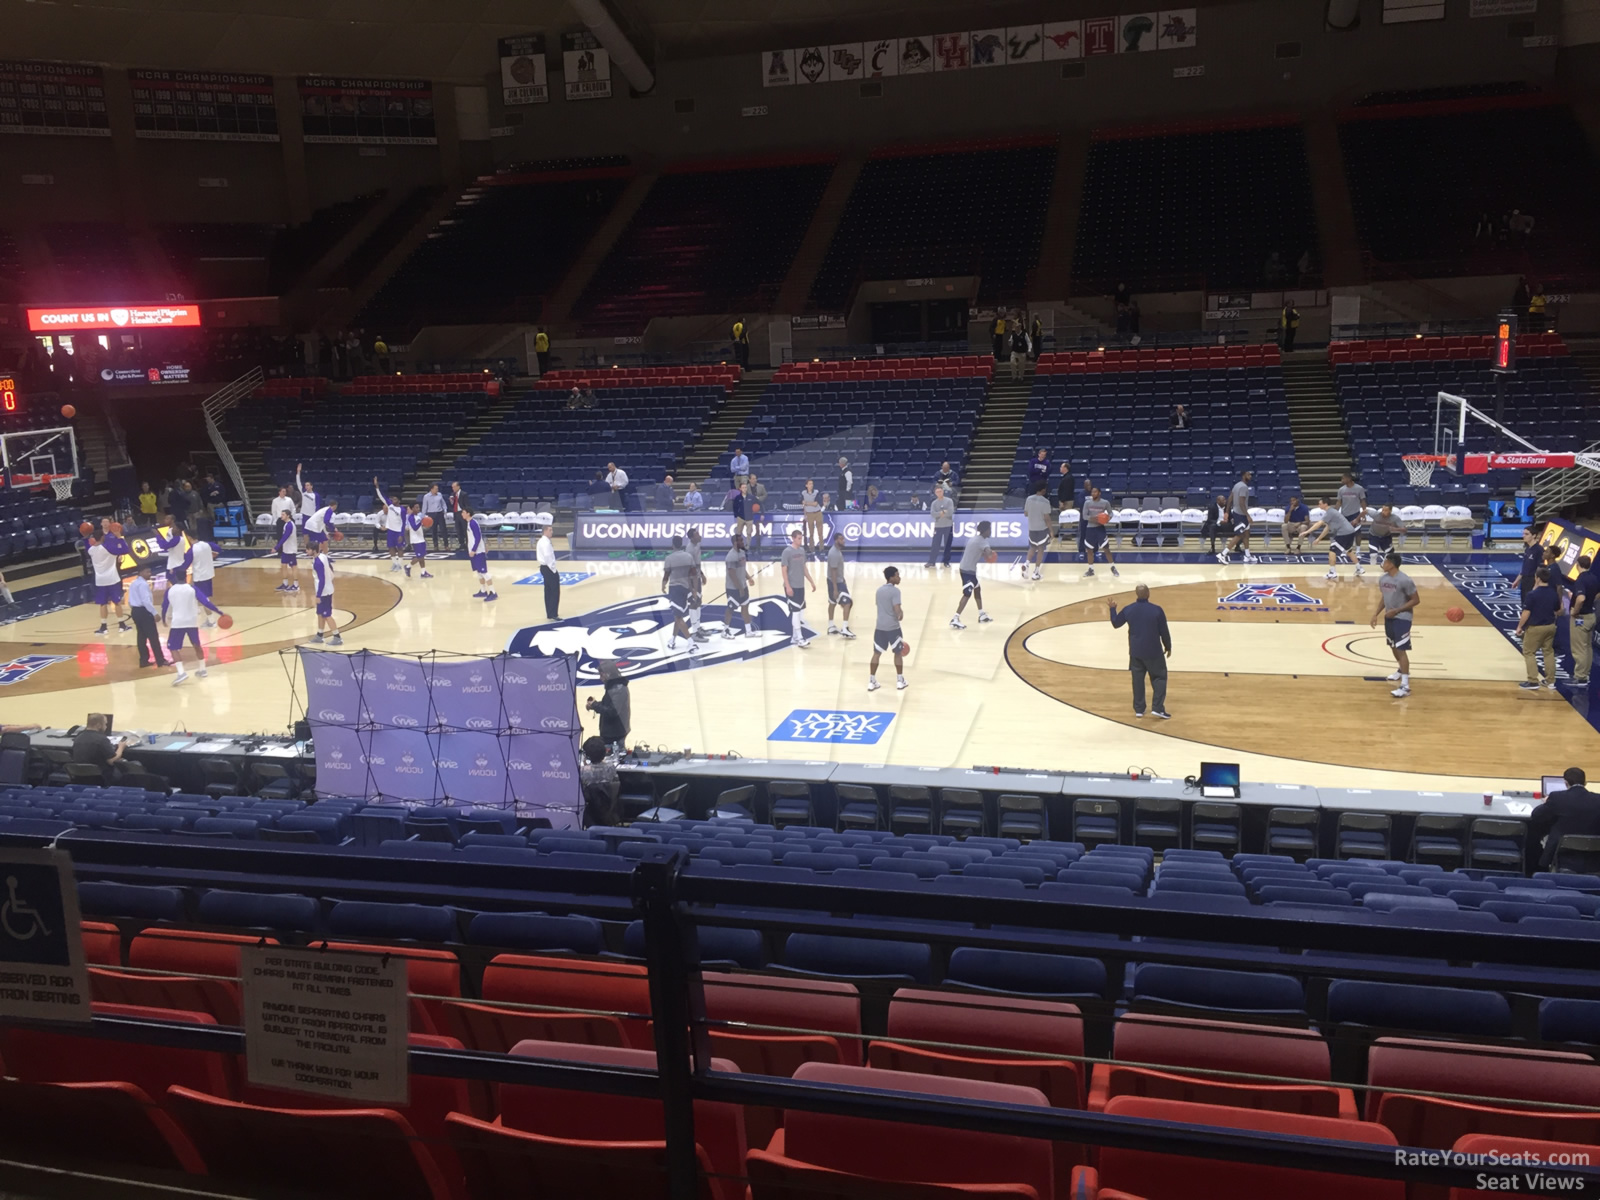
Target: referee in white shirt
546 553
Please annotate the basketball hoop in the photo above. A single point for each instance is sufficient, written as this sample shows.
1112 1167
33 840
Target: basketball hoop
1420 467
61 485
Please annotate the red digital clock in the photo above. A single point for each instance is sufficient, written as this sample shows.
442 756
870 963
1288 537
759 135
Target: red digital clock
8 394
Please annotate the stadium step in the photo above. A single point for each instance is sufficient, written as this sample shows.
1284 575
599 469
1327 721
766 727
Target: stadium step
1321 445
436 469
701 459
1586 354
987 473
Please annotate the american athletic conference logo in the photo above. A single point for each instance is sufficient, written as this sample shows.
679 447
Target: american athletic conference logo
1260 597
633 634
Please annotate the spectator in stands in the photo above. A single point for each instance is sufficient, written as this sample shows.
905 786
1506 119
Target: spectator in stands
827 503
575 397
1288 324
1121 296
433 507
1035 338
92 746
1536 306
1066 492
1272 269
1180 417
739 467
756 505
601 785
741 343
666 496
740 504
1574 809
693 500
614 708
872 497
589 400
541 350
946 478
1484 231
1296 520
1019 349
617 481
943 511
147 502
1039 468
1521 224
1303 267
178 505
1520 295
211 491
1217 524
1133 319
380 351
459 506
846 490
997 334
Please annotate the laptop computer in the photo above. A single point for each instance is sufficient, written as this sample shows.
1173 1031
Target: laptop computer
1219 781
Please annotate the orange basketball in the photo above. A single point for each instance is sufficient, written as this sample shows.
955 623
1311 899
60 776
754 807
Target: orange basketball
1453 615
68 411
86 529
427 522
224 622
905 647
337 536
1103 518
116 528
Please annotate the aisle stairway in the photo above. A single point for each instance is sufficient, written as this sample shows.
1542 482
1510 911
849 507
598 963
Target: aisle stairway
437 468
994 444
701 459
1321 448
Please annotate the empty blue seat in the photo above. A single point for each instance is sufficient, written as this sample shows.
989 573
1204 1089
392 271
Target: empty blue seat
1202 885
755 855
975 886
824 954
581 861
1515 910
1284 894
1230 991
923 866
812 860
155 822
228 827
328 827
369 828
741 947
366 918
1028 876
510 856
1569 1020
1404 1006
406 848
1027 973
1558 927
1078 873
252 910
537 931
1439 918
1196 902
1583 883
1586 904
564 843
1443 885
1389 902
101 898
468 840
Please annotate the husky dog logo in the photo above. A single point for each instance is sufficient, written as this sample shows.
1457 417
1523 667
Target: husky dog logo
634 634
812 65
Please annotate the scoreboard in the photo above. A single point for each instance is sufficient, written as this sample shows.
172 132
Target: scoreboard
8 394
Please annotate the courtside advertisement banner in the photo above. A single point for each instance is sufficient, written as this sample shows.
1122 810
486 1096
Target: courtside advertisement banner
128 316
599 532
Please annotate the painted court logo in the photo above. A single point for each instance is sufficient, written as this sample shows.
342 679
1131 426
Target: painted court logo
832 725
1265 597
634 635
19 669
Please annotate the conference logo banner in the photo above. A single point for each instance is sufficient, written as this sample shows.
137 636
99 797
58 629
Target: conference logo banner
205 106
67 99
779 69
845 62
585 67
883 58
881 531
916 55
988 47
367 112
523 70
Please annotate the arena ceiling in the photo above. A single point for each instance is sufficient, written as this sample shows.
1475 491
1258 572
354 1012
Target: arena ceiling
455 39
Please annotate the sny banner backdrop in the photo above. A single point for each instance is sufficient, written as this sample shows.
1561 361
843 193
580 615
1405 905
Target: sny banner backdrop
204 106
53 97
369 112
523 70
882 531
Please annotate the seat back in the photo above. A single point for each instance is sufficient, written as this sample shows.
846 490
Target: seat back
430 975
79 1125
511 1162
58 1055
577 984
774 1177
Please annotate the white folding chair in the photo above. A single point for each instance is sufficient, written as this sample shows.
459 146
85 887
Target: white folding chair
1458 518
1068 524
1433 516
1189 520
1124 519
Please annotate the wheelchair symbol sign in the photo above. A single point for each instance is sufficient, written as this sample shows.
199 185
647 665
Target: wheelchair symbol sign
42 970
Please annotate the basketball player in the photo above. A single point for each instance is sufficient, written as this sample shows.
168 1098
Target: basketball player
677 571
811 506
176 546
394 523
203 572
1239 520
1037 509
697 586
796 570
1094 537
1343 534
288 562
886 638
418 539
316 527
180 611
976 550
1380 534
838 589
308 504
736 585
1397 599
478 556
103 549
1352 498
322 569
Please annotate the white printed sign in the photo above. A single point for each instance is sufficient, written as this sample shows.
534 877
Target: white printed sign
331 1023
42 972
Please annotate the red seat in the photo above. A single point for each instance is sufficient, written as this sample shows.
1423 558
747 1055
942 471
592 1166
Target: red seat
774 1177
102 943
566 1114
916 1153
1175 1177
317 1152
111 1125
491 1028
1529 1150
209 963
431 975
61 1055
501 1163
575 984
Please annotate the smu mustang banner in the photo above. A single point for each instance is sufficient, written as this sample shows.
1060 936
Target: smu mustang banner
877 530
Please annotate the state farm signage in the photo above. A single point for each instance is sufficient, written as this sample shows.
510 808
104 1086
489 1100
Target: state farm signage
93 316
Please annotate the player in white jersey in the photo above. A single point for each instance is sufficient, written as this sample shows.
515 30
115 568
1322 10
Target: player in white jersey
176 547
203 572
288 562
103 550
419 542
394 526
318 525
322 572
309 503
478 556
180 611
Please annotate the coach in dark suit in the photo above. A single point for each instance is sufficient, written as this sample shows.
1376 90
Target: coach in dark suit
1149 646
1575 809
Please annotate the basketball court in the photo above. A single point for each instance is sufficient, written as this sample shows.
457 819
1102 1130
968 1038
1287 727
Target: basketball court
1273 666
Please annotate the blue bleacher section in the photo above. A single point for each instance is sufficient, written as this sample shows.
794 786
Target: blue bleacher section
1389 393
1110 415
34 522
896 422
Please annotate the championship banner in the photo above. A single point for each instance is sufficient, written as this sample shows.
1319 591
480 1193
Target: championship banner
585 67
207 106
367 112
597 533
523 70
68 99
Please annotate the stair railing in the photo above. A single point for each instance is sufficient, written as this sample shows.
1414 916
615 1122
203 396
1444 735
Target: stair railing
215 405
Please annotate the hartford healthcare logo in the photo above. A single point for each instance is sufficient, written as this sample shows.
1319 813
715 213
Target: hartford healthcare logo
1262 597
832 725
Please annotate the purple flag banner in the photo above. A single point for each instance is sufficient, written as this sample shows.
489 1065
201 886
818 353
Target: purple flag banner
466 694
341 761
538 695
396 692
544 777
333 686
472 768
401 764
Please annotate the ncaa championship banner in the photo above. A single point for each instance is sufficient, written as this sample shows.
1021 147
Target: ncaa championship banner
599 532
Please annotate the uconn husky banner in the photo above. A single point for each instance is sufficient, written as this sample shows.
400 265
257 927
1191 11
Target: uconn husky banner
493 732
874 530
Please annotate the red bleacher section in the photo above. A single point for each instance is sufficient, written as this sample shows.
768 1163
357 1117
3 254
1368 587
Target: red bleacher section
601 377
950 367
412 385
294 389
1170 358
1439 349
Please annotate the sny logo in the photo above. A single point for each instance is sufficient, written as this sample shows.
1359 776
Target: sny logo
1254 597
832 725
19 669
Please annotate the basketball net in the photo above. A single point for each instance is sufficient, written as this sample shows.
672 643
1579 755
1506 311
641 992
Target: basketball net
61 485
1419 467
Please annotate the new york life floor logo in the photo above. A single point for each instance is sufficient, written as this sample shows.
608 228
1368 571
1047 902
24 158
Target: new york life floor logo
832 725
